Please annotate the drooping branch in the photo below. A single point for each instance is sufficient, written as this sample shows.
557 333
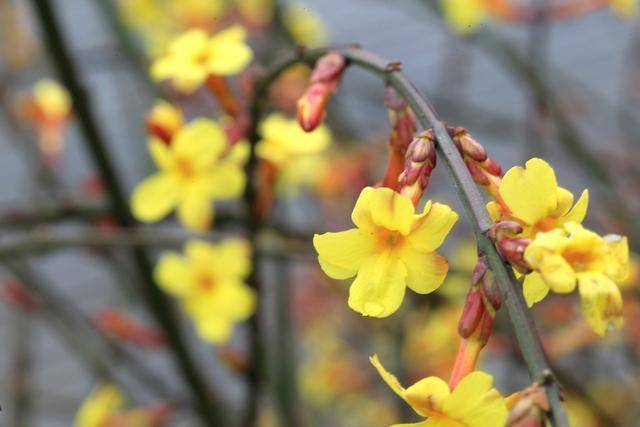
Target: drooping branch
469 194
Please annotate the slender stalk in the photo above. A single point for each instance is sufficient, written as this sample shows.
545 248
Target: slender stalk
52 212
468 192
157 302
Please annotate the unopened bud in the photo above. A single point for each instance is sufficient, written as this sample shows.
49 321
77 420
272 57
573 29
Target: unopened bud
324 81
472 313
528 408
512 250
124 327
164 120
420 161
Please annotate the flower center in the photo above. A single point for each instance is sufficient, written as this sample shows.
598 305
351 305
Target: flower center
205 282
579 258
388 239
184 167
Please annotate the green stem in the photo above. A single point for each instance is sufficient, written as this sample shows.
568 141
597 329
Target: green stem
469 194
157 302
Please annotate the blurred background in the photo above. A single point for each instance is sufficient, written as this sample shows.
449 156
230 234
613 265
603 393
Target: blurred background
558 83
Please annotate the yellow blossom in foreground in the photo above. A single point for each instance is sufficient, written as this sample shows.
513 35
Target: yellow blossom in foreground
209 281
103 402
164 119
51 100
624 8
193 56
531 196
194 171
464 16
305 25
574 255
472 403
391 248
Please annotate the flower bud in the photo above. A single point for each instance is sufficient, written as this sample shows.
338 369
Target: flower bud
324 81
483 169
528 407
512 250
420 161
122 326
164 120
471 313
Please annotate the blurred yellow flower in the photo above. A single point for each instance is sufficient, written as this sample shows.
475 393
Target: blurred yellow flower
391 248
304 25
209 282
194 171
531 196
164 119
472 403
296 153
624 8
51 100
193 56
258 12
102 403
464 16
574 255
196 13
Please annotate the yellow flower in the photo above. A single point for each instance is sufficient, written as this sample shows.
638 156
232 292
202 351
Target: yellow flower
51 100
193 56
391 248
296 153
193 171
258 12
305 25
472 403
574 255
164 119
624 8
532 197
103 402
196 13
464 16
209 281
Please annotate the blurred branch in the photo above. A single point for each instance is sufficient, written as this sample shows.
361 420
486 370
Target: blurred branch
21 367
157 302
469 194
51 212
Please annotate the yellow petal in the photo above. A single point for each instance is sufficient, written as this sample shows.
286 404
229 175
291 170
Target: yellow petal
534 288
530 193
160 153
579 210
565 200
361 215
425 270
544 256
431 227
342 254
172 275
229 52
391 210
617 267
379 286
214 329
428 394
226 180
468 394
494 211
102 402
389 378
154 197
464 16
195 211
233 257
199 143
601 302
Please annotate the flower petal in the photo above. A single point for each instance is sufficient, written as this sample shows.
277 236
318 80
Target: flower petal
579 210
226 180
379 287
618 266
425 270
160 153
229 52
389 378
172 275
427 395
199 143
391 210
565 200
155 197
342 254
534 288
195 211
361 215
431 227
530 192
601 302
468 394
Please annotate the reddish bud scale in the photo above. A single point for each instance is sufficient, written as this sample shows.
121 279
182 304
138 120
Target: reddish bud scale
17 295
512 250
420 161
483 169
161 132
324 81
472 313
125 328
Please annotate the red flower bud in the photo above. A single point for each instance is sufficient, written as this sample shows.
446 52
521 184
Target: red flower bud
472 313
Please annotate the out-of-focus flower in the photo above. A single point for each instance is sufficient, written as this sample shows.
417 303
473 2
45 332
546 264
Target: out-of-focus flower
193 56
194 171
196 13
292 151
624 8
472 403
102 403
209 282
304 25
464 16
574 255
391 248
48 107
163 120
531 196
257 12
